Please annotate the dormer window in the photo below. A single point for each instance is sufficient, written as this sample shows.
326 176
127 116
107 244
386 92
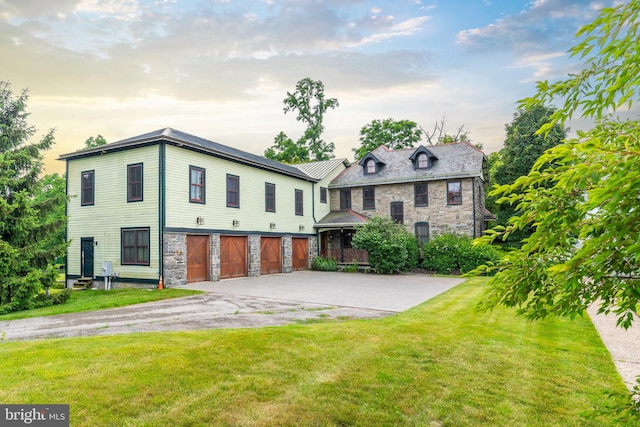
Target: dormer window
422 158
423 161
370 166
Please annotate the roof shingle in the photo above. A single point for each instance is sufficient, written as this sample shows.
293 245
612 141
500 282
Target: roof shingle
454 160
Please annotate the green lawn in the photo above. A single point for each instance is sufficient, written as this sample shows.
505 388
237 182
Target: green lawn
439 364
89 300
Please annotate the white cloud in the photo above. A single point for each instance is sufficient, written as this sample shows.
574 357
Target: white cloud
405 28
119 9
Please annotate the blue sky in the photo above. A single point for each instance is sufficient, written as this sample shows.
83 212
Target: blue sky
220 69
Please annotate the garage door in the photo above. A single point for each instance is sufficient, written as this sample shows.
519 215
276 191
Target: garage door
197 258
270 255
299 249
233 256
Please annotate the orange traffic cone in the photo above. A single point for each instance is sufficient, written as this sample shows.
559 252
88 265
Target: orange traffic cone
160 284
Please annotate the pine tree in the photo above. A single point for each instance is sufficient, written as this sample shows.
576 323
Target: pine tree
27 226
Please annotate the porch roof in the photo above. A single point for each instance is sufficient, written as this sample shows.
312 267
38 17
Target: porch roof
337 219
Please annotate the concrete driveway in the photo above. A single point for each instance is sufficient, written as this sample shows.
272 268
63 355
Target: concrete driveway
247 302
367 291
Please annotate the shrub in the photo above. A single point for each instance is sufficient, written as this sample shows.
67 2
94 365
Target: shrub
351 268
451 253
392 249
44 300
324 264
40 300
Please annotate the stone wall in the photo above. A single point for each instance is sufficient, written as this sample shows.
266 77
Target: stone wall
313 250
174 248
254 256
287 254
214 253
441 217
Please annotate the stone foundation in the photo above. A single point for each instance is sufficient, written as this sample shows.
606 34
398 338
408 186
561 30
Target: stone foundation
287 254
174 248
175 256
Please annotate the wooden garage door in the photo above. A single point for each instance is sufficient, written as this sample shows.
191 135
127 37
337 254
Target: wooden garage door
233 256
299 249
270 255
197 258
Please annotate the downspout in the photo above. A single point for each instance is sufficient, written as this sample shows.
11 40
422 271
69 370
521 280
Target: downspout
66 228
473 192
161 205
313 216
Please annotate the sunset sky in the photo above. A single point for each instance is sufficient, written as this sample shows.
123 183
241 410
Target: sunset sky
220 69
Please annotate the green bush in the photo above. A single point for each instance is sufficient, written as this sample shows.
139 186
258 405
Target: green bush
40 300
324 264
392 249
351 268
44 300
453 254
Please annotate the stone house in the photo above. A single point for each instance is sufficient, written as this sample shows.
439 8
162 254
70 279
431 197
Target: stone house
431 190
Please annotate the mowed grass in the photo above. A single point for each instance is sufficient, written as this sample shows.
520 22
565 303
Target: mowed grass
439 364
89 300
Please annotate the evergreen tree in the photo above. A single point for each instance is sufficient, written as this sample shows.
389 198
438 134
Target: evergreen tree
522 148
28 223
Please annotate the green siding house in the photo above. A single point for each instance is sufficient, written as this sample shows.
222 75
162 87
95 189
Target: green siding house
182 208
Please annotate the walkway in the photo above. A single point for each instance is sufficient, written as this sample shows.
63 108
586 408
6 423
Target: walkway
623 344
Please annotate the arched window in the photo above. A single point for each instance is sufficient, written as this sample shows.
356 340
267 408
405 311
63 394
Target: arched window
423 161
371 166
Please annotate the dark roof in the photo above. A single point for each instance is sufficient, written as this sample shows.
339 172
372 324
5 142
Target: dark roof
341 219
454 160
180 139
488 215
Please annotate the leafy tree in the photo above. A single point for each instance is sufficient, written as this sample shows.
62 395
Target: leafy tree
522 147
395 134
311 104
585 209
93 142
287 150
392 249
28 225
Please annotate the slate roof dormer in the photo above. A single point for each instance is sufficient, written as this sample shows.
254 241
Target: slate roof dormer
418 158
455 160
367 168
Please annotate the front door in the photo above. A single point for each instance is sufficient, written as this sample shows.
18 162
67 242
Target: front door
86 257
